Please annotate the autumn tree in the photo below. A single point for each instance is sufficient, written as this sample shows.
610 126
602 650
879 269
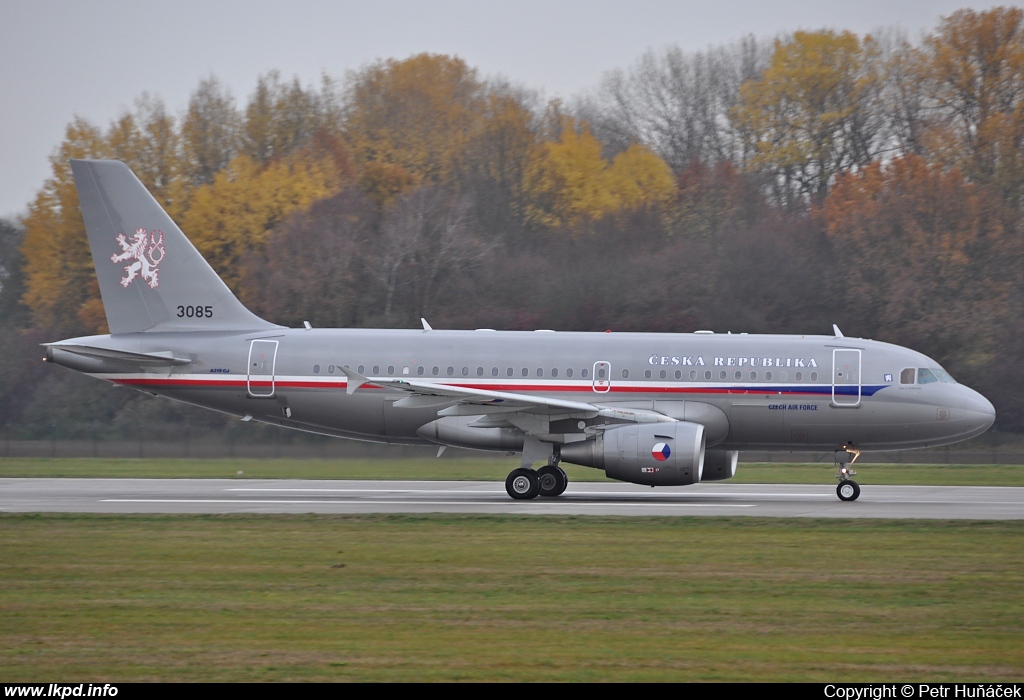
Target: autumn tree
812 114
417 115
281 118
60 282
236 212
428 239
210 132
973 70
570 179
499 159
677 103
314 265
928 260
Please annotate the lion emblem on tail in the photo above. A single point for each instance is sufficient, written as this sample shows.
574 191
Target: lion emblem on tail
147 250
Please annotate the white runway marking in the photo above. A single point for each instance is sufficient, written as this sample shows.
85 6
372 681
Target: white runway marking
394 503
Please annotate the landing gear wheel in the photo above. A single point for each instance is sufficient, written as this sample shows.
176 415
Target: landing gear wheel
848 490
522 484
552 481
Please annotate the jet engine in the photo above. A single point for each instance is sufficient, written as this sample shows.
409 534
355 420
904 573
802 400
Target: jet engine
719 465
654 454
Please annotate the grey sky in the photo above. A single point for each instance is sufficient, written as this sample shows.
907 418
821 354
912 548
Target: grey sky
93 58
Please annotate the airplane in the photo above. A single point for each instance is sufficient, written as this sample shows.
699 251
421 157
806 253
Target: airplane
654 409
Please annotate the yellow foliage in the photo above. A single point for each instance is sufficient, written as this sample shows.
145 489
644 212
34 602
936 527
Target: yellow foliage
974 68
235 213
59 277
801 112
419 114
571 180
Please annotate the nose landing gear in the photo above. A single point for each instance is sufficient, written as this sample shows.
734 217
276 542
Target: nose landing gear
848 489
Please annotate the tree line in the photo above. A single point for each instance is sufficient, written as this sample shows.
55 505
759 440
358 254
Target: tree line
764 186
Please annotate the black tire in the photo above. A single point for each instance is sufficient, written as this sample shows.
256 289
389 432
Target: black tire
522 484
848 490
552 481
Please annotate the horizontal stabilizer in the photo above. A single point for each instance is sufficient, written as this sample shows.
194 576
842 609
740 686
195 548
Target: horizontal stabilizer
163 358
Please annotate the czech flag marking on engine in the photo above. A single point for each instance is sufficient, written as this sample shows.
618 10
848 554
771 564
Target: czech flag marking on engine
661 451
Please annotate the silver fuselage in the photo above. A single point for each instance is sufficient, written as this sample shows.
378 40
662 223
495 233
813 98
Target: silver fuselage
777 392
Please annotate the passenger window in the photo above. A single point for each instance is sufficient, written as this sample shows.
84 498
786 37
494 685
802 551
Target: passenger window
316 369
799 376
435 371
510 371
360 370
625 374
925 376
601 373
376 369
693 374
494 371
647 374
465 371
679 374
907 376
767 376
391 369
554 372
814 376
420 370
707 374
540 372
479 371
664 373
526 372
330 369
451 371
584 372
722 375
753 376
739 375
568 372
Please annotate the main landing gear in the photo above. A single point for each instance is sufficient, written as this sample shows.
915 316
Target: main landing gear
548 481
848 489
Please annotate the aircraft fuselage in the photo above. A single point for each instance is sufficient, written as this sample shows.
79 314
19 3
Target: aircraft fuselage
772 391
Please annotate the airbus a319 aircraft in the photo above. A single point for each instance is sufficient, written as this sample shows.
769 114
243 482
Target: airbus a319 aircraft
654 409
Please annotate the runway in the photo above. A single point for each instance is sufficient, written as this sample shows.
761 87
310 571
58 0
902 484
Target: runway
611 498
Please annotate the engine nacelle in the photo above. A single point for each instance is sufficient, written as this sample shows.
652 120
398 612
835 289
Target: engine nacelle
653 454
719 465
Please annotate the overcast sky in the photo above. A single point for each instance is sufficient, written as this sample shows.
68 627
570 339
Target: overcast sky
93 58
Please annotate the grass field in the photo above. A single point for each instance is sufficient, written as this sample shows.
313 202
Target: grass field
391 597
484 469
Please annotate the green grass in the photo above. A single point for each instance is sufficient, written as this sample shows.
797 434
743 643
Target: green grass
487 469
445 597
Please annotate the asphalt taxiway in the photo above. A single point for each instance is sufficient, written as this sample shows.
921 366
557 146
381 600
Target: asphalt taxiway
611 498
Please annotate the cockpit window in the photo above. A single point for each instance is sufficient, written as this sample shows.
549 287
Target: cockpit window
925 376
907 376
943 376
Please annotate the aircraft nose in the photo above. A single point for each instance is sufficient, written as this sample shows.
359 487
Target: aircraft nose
978 411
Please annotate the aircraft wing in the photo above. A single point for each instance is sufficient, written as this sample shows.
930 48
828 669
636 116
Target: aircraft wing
471 401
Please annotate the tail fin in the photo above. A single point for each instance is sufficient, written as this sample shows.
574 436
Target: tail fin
151 277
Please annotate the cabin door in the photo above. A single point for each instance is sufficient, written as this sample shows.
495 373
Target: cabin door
846 377
262 358
602 380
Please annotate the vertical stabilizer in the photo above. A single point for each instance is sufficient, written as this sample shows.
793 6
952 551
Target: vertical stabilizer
151 277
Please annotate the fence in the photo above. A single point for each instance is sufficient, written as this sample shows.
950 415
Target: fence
349 449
